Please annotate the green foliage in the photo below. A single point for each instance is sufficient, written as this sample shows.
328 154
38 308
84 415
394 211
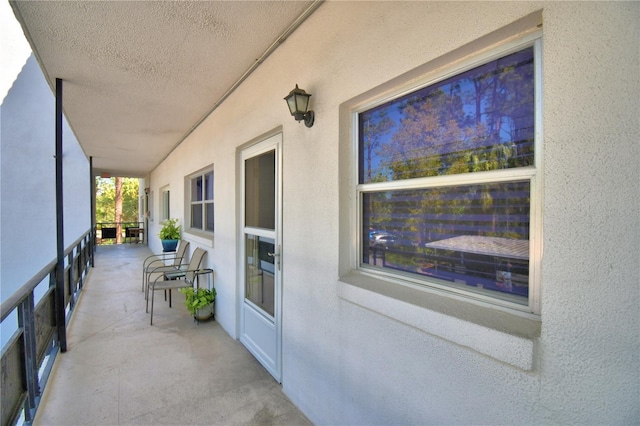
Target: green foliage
170 230
106 203
374 129
197 299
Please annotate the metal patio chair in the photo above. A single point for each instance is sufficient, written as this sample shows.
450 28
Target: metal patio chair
155 265
177 279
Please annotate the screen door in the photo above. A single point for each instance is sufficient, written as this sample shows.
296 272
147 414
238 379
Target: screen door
261 270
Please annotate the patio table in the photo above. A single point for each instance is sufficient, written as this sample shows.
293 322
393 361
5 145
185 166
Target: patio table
488 246
496 247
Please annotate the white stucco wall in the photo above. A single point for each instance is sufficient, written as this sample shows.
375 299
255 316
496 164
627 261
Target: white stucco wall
343 364
28 183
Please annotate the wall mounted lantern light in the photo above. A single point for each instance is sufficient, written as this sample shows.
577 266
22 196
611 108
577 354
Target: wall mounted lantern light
298 102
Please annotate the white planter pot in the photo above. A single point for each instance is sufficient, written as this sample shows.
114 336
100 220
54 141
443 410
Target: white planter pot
204 313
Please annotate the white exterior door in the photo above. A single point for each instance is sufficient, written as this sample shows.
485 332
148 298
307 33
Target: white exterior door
260 269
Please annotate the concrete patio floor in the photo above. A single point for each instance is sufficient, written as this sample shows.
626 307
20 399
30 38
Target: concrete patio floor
120 370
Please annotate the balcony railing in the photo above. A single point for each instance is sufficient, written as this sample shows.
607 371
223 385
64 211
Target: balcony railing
129 232
30 313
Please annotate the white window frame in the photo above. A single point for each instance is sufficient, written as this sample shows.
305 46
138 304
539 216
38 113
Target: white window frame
532 174
189 203
151 207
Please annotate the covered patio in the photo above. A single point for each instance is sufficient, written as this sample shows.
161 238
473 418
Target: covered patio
188 97
120 370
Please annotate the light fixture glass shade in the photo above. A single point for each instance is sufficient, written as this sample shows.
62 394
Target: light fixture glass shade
291 102
298 102
302 102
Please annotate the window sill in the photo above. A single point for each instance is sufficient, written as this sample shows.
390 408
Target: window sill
504 336
201 238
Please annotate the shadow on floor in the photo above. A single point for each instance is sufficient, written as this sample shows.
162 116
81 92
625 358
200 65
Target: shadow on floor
120 370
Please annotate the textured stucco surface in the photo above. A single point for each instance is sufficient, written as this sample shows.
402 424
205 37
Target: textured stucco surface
590 268
28 180
155 54
343 364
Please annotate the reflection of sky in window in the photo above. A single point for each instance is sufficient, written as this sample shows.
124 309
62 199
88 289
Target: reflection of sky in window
505 88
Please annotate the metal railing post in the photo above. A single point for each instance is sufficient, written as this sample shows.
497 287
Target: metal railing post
24 372
26 321
70 274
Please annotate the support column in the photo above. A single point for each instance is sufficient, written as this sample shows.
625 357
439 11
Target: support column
60 296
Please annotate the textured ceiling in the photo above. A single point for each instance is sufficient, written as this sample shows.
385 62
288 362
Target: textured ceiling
138 76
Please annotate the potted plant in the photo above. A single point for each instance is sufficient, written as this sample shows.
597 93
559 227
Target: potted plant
199 301
170 234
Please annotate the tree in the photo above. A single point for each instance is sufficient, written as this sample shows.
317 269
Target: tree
375 126
107 207
105 200
118 210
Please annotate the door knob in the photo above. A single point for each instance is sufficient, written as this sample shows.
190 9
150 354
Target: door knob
276 256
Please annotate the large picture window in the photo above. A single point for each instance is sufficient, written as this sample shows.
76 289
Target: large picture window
201 202
446 176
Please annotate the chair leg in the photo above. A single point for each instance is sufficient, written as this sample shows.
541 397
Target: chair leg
152 294
169 297
147 298
146 285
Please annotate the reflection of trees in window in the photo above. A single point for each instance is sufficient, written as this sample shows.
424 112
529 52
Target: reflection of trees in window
477 121
481 120
373 129
430 214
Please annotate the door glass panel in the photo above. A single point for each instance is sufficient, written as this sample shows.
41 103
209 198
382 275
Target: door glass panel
259 284
260 178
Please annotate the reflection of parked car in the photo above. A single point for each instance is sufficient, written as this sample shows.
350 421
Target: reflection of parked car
383 241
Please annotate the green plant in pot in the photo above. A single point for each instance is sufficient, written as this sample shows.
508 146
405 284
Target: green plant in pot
170 234
199 301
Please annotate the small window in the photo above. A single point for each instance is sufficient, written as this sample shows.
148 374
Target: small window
446 182
201 215
165 207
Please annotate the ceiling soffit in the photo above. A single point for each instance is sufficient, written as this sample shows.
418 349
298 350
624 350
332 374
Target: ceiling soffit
139 76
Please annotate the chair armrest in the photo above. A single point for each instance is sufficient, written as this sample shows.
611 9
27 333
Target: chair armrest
151 259
163 269
162 261
160 258
180 273
157 262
